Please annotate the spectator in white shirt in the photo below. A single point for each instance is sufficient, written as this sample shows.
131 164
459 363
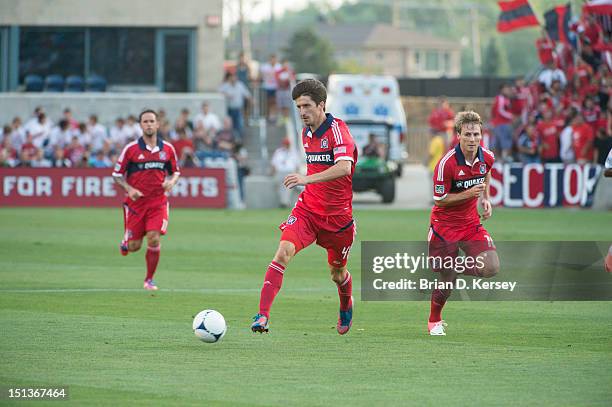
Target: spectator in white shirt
550 74
284 162
119 134
207 120
97 133
236 95
132 129
269 84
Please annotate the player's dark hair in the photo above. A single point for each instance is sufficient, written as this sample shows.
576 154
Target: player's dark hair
467 118
147 111
310 87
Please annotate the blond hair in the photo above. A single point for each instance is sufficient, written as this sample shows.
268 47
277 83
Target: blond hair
467 118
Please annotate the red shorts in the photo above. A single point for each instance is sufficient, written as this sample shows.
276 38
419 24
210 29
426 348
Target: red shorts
140 219
334 233
446 240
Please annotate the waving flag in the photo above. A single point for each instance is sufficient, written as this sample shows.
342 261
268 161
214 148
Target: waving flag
557 23
515 14
598 7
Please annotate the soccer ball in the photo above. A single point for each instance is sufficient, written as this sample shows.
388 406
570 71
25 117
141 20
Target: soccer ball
209 326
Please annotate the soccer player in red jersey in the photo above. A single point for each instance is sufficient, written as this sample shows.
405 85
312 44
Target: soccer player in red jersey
461 177
323 212
141 171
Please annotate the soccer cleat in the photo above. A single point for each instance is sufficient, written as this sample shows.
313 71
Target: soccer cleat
437 328
150 285
123 247
260 323
345 320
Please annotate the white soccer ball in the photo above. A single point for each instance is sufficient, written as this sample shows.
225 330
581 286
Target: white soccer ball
209 326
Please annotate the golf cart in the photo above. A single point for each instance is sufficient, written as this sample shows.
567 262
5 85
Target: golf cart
374 170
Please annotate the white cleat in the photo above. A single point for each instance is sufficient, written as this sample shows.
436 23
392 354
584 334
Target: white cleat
437 328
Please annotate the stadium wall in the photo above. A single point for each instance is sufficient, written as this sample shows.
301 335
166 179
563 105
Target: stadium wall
202 15
108 106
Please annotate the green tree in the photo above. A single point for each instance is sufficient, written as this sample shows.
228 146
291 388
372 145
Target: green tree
310 53
495 61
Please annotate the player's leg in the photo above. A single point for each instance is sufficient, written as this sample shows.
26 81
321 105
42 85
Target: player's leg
440 247
133 230
297 234
479 245
156 224
152 258
338 244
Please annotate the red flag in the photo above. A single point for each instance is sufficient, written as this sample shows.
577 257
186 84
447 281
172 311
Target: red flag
515 14
557 23
603 7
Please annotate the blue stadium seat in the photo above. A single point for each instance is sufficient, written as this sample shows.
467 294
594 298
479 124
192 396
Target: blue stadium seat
33 83
54 83
75 83
96 83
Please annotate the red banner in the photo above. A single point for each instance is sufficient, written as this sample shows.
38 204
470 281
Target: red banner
95 187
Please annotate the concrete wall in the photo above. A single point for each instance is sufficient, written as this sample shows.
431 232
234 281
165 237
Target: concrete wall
132 13
108 106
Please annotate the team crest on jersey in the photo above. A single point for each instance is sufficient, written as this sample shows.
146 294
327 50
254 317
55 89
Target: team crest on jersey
291 220
162 155
324 143
483 168
439 189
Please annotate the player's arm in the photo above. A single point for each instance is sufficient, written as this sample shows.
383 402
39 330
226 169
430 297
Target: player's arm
340 169
486 202
169 183
119 177
173 169
132 192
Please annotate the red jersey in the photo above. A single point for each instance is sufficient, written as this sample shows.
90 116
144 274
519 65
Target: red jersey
583 137
546 50
438 119
548 133
500 112
146 168
331 143
453 175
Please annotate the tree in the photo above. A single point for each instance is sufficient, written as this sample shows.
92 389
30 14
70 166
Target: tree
310 53
495 61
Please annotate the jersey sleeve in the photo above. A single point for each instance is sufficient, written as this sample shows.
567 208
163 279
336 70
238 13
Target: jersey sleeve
173 166
442 179
344 146
122 162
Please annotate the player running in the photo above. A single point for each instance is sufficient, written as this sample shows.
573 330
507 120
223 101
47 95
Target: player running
460 178
323 212
146 162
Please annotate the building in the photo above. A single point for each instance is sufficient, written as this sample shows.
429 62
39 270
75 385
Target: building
136 45
381 48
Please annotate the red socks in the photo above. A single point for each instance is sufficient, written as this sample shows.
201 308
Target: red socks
345 290
152 258
438 299
272 284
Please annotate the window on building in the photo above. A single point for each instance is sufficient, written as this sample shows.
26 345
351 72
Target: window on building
51 51
431 61
447 64
123 55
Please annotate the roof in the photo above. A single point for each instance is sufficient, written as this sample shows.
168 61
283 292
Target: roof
352 36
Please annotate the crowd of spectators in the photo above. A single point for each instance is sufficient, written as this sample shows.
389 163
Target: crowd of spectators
563 115
41 142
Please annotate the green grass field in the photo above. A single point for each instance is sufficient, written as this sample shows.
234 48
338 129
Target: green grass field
73 313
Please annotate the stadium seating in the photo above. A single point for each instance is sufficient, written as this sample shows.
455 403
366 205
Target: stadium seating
33 83
75 83
54 83
96 83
